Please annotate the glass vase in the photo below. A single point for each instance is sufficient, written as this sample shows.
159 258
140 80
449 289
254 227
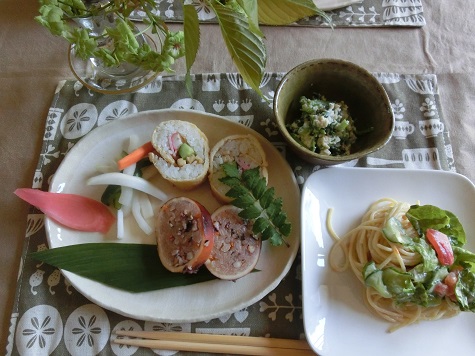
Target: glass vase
97 76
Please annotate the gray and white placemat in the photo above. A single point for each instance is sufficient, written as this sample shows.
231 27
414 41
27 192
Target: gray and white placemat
51 317
367 13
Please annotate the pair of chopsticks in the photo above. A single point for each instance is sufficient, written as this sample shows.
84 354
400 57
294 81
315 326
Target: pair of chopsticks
239 345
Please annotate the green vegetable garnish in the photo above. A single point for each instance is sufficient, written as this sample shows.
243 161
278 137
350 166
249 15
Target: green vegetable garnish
185 150
394 232
423 217
324 127
111 194
418 283
258 202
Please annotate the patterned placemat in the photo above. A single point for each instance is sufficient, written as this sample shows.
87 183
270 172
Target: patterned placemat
51 317
368 13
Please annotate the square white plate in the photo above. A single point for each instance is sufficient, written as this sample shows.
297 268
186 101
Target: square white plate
336 319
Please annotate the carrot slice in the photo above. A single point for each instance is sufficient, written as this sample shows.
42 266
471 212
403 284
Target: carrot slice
135 156
71 210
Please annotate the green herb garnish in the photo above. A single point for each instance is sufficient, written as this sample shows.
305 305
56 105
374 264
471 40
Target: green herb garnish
258 202
112 193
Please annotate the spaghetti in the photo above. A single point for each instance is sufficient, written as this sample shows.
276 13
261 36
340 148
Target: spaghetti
366 243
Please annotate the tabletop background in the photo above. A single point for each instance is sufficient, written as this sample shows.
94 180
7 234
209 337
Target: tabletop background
32 62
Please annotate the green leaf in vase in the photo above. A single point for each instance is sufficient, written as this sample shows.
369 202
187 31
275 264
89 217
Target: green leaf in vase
131 267
246 48
191 29
250 7
288 11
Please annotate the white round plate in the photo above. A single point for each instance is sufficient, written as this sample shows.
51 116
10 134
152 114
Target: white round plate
198 302
336 319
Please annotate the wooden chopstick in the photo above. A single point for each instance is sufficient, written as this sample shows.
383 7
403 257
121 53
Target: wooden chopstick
240 345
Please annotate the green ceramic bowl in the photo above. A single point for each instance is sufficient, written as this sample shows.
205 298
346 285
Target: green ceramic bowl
337 80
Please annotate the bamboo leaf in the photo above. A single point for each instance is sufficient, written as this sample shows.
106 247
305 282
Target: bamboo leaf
288 11
245 47
131 267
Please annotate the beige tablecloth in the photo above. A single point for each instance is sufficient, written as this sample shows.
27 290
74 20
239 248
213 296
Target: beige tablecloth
32 63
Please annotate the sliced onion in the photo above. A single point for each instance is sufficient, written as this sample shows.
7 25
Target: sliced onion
133 143
125 180
145 205
126 192
120 224
136 211
106 168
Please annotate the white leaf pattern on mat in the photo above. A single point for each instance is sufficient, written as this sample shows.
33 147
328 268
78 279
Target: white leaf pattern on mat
171 327
428 108
115 111
79 120
39 331
87 330
188 103
34 223
274 308
402 129
269 127
124 350
49 154
398 109
361 15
